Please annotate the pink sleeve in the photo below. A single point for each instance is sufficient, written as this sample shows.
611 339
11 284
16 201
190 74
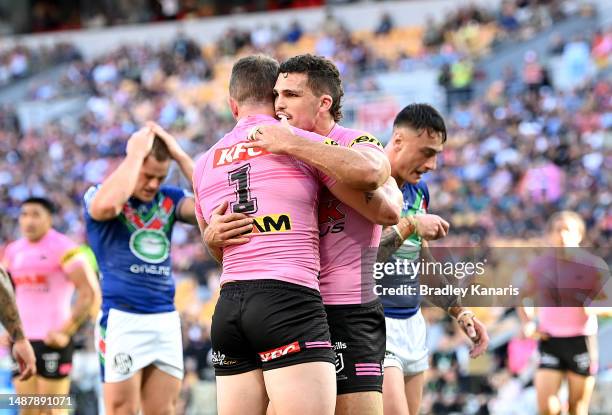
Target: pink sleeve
367 141
67 250
7 257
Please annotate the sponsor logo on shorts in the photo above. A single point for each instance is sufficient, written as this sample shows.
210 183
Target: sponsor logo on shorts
548 359
339 346
339 362
237 152
279 352
271 223
583 360
51 361
219 359
366 139
122 363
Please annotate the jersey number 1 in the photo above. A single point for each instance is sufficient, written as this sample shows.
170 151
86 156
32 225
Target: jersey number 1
240 179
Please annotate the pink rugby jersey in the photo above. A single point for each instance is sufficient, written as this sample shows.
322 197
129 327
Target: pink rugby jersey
278 191
43 291
344 234
567 281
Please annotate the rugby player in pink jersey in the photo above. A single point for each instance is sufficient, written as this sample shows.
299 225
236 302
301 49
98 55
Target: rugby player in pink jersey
269 315
567 331
47 269
308 93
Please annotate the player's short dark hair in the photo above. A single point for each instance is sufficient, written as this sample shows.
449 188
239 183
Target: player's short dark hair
159 150
253 79
323 78
48 205
421 117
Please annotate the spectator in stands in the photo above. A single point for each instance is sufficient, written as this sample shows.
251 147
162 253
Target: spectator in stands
294 32
385 26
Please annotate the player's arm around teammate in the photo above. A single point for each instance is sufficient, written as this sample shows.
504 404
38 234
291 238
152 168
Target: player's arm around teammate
381 203
9 317
359 169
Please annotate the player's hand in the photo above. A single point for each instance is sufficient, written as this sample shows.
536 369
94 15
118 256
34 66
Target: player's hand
176 152
477 333
275 139
529 330
227 229
57 339
140 143
24 356
431 227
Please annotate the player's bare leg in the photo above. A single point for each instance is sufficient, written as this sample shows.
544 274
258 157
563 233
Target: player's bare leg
159 392
27 387
241 394
306 389
413 385
580 391
548 383
53 387
394 393
123 398
360 403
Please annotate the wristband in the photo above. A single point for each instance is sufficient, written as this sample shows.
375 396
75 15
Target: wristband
397 231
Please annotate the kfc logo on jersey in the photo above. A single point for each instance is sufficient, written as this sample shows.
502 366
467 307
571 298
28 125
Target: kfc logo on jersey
281 351
237 152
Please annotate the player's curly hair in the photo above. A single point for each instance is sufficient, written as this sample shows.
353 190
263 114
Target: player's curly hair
421 117
323 78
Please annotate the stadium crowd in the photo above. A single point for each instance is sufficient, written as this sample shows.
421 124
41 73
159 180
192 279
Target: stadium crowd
515 155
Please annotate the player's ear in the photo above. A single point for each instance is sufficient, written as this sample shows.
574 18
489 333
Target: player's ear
233 106
325 102
397 140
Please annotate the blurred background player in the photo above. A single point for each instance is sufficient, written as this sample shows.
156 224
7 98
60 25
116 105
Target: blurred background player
252 106
9 317
567 333
130 218
47 269
419 133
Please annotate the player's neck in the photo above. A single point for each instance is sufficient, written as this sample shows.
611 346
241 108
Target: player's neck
398 179
251 110
324 126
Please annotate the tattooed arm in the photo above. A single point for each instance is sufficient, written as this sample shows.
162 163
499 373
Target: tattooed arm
9 317
22 350
393 237
382 206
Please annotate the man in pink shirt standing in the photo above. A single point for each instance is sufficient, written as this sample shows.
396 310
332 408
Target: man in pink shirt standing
47 268
270 316
563 281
